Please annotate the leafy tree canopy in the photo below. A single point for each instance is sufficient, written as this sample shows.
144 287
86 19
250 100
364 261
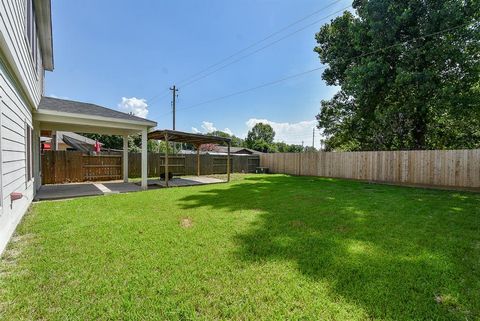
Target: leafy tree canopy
310 149
286 148
236 141
260 138
134 143
409 73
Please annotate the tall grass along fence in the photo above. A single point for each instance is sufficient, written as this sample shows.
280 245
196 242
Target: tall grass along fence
451 168
70 166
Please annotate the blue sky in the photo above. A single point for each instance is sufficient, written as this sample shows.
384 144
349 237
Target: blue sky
108 50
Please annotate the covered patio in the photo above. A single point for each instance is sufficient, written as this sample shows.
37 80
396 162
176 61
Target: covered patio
66 115
195 139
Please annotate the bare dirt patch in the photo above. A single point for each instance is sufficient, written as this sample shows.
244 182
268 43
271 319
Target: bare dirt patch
298 224
342 229
186 222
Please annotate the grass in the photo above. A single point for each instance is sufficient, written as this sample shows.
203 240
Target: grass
262 247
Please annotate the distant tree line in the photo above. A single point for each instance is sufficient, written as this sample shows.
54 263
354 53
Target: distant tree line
115 142
260 138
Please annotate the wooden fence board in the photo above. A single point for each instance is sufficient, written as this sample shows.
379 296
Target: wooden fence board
69 166
458 168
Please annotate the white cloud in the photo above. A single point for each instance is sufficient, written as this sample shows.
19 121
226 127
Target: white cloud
59 97
290 133
208 127
136 106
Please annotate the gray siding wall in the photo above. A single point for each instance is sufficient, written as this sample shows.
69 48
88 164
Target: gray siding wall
21 87
16 49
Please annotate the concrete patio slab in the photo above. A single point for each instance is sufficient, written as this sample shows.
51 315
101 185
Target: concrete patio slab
123 187
185 181
62 191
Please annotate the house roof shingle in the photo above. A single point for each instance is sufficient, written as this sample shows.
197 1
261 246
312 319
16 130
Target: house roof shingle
77 107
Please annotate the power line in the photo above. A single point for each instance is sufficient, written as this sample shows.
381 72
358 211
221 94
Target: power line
307 133
264 47
154 98
259 41
320 68
303 137
150 100
254 88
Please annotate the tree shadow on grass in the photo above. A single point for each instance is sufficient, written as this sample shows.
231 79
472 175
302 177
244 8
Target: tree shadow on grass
399 253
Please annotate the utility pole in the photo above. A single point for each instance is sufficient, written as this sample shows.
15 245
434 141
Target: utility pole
313 138
174 94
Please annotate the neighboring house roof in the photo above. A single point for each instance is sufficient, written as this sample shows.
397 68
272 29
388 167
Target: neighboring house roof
75 136
81 108
236 150
43 14
223 151
73 140
187 152
77 144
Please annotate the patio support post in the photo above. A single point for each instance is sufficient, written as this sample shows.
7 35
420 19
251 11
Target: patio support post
144 159
228 163
198 159
125 158
166 160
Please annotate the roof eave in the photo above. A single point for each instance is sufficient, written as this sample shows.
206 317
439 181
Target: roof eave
43 12
146 122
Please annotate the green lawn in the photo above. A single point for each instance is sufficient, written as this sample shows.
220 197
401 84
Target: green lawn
262 247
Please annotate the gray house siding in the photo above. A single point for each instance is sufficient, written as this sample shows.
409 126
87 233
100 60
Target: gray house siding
17 51
21 87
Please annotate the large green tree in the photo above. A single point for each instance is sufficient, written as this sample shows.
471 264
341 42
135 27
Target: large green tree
260 138
283 147
134 143
235 141
409 75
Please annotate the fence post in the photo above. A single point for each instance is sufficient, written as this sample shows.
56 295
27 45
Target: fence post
125 158
228 163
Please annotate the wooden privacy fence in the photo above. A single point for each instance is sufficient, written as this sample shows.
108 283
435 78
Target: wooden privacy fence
458 168
187 164
69 166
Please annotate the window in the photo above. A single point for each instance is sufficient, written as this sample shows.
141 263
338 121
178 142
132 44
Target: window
31 33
